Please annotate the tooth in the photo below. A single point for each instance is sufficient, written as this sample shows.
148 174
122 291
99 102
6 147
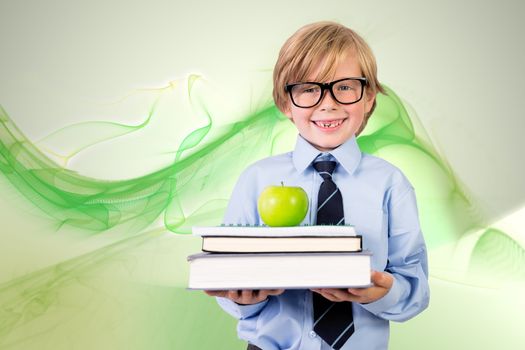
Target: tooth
329 124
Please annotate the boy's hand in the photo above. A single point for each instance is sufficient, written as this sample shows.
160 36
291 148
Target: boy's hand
245 296
382 283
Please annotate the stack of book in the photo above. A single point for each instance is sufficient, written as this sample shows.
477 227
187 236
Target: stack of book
261 257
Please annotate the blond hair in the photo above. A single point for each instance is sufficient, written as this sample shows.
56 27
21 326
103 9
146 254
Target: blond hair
325 43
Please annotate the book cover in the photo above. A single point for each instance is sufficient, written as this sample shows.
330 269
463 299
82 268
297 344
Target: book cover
262 231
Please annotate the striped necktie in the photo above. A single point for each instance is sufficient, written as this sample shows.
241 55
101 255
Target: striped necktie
333 321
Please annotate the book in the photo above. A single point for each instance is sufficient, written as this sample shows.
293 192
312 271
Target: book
211 271
263 239
244 244
253 230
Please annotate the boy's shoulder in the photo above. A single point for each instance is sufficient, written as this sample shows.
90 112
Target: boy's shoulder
275 161
371 161
262 168
377 167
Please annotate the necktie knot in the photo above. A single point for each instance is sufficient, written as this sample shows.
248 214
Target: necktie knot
325 168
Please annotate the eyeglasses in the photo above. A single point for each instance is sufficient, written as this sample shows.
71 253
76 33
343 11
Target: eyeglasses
345 91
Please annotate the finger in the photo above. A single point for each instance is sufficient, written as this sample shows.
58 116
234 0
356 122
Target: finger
327 293
247 295
357 291
216 293
335 294
328 296
233 294
260 295
274 291
382 279
342 294
324 294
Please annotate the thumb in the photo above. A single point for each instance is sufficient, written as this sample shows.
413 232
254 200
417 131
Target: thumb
382 279
275 291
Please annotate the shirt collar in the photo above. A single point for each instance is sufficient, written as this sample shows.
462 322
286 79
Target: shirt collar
348 154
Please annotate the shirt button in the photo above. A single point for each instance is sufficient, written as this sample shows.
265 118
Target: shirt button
312 334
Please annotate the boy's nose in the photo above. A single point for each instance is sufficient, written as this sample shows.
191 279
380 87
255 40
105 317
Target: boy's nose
327 101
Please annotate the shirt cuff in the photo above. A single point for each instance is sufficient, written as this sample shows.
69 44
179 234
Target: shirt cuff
388 300
243 311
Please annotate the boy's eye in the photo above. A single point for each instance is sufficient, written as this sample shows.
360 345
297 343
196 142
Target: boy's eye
309 89
345 87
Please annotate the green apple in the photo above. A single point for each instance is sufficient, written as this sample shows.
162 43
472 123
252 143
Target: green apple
282 205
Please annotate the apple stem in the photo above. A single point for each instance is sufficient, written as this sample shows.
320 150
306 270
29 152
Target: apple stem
282 183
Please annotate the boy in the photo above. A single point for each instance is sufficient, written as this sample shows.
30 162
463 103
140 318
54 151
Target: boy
325 82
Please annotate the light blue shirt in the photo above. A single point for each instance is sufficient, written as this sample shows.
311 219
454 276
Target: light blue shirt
380 202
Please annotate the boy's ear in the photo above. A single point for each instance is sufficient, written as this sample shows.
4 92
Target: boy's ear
370 97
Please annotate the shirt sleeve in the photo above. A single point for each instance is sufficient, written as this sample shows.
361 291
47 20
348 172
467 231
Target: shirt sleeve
242 207
241 312
407 259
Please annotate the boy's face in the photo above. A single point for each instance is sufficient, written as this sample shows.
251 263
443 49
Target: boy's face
329 123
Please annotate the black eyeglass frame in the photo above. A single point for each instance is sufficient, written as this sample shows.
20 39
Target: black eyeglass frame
327 86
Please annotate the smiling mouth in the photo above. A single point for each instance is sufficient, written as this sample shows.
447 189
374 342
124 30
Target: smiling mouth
328 124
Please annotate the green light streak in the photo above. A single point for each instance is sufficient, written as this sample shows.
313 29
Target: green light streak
97 205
